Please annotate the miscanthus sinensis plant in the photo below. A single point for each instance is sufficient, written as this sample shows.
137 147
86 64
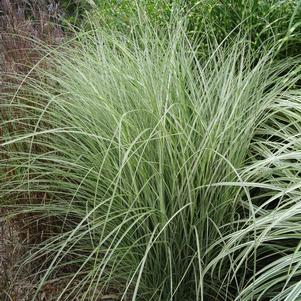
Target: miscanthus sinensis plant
159 174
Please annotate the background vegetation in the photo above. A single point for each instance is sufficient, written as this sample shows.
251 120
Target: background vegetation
262 21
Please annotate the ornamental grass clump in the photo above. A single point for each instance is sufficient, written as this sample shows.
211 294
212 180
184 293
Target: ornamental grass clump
160 175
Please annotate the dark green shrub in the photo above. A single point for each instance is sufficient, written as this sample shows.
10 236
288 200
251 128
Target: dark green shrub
262 21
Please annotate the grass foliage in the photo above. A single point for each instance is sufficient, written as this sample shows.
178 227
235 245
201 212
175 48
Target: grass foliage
160 174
